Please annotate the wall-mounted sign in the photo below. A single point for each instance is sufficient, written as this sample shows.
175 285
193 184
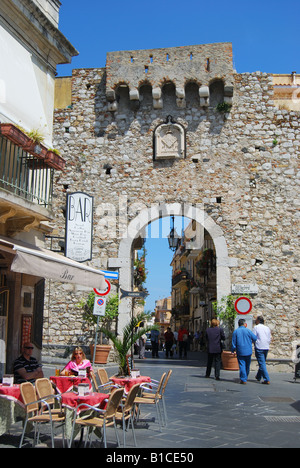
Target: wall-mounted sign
244 289
79 226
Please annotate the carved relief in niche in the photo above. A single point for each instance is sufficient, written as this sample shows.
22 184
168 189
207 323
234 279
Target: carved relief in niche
169 141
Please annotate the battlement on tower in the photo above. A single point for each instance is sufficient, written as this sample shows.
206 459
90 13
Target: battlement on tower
199 64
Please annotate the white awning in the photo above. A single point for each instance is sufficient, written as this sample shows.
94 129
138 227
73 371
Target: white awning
35 261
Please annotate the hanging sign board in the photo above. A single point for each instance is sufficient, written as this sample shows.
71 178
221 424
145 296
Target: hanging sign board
243 305
79 226
99 306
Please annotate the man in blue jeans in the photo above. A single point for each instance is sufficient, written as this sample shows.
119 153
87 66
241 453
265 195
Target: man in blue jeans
262 346
242 340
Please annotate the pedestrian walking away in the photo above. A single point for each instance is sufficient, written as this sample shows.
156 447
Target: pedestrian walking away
169 341
242 340
154 342
142 346
183 336
214 337
262 346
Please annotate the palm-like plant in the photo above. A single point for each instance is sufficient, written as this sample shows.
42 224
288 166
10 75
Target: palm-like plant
131 333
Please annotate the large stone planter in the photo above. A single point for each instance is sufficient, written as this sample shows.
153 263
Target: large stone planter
102 352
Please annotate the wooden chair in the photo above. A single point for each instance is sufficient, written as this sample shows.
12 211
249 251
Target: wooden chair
151 399
101 418
127 412
37 411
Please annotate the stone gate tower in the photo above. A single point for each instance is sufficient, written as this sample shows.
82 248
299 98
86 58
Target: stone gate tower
178 131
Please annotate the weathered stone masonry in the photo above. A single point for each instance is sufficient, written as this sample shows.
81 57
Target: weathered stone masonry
241 167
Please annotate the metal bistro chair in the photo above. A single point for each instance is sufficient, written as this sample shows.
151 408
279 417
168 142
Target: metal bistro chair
102 419
44 389
151 399
127 412
106 385
37 412
161 395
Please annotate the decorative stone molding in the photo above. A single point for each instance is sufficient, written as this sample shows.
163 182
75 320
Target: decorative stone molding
169 140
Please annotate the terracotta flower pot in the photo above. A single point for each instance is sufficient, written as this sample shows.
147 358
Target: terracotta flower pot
55 160
14 134
229 361
36 149
102 352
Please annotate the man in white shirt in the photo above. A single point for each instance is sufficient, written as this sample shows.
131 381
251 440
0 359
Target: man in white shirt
262 346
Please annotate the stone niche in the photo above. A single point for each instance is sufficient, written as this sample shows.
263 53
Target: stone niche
169 140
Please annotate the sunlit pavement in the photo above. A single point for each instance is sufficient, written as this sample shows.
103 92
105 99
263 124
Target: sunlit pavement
205 413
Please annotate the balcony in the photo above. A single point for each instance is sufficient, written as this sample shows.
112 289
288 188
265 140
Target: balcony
24 175
180 276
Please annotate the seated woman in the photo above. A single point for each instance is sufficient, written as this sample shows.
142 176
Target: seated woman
78 362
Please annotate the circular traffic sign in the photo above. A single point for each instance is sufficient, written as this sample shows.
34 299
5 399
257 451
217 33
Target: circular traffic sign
243 305
100 301
103 293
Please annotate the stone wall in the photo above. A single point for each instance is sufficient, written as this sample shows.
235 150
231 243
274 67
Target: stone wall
241 167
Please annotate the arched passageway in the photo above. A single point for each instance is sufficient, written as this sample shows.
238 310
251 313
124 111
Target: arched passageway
137 226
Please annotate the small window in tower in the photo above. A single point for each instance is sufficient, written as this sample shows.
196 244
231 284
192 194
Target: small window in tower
191 56
207 66
146 69
151 58
167 57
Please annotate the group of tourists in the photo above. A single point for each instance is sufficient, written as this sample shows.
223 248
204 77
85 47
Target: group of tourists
174 341
241 346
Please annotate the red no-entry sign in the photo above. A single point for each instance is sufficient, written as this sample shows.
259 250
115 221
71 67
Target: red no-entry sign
103 293
243 305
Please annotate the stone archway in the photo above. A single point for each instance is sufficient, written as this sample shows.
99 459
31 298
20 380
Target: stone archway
141 221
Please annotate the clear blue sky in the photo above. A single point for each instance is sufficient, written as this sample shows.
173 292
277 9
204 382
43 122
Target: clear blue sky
264 34
158 259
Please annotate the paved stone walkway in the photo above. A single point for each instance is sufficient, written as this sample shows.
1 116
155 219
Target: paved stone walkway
205 413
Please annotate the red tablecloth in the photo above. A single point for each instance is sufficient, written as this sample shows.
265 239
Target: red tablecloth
66 383
72 400
128 382
11 393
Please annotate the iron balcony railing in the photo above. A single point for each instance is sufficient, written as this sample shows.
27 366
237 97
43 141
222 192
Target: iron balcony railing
25 175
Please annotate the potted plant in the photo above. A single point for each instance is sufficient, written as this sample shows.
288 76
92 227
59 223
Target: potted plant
131 333
54 159
226 313
34 146
111 312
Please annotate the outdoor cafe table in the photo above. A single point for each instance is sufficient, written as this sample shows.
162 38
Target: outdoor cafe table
71 400
65 383
11 406
128 382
